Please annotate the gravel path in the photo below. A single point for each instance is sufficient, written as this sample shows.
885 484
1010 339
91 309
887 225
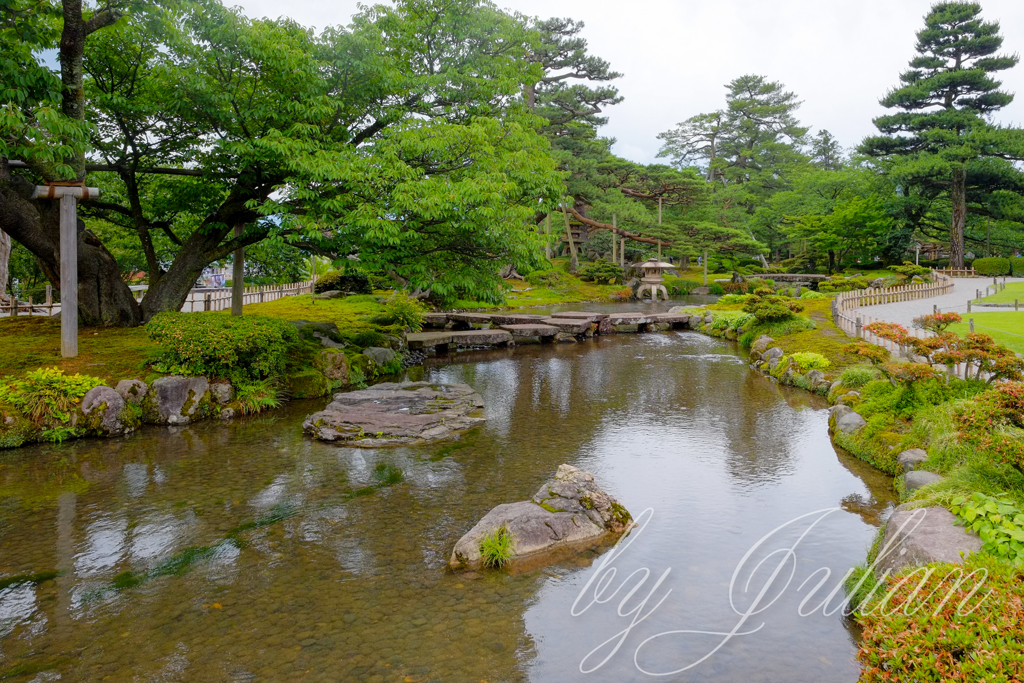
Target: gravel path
904 312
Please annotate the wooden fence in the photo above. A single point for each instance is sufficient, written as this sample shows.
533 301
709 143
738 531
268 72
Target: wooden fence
213 299
847 316
957 272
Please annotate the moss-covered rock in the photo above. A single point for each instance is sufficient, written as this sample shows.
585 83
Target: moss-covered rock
333 363
15 429
309 383
177 400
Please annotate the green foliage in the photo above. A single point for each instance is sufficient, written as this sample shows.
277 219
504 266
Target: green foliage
402 310
602 272
992 266
858 376
496 547
934 628
1017 266
344 281
911 271
49 398
808 360
811 294
216 345
387 475
838 283
998 522
716 289
770 308
255 396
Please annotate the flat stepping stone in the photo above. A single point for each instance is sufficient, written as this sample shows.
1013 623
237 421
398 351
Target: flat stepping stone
397 414
633 318
569 325
435 319
672 318
428 340
471 318
534 330
516 318
493 337
582 315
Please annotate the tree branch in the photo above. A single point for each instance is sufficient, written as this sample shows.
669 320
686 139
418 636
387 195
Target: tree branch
618 231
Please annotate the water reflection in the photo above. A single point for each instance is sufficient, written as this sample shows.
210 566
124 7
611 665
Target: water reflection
303 579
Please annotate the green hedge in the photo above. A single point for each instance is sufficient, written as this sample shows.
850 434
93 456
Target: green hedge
1017 266
992 266
344 282
217 345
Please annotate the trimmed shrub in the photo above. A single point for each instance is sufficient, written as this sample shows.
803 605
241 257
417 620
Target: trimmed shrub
808 360
856 377
912 271
811 294
771 308
216 345
837 283
352 281
602 272
1017 266
716 289
402 310
992 266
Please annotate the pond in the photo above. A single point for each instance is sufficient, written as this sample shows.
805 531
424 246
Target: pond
248 552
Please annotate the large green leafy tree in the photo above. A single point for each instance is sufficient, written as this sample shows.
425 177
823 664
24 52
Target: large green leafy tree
401 139
43 125
942 132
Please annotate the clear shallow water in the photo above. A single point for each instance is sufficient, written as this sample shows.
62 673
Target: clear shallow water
292 576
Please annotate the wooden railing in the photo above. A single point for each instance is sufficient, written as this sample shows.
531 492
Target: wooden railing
957 272
847 316
198 300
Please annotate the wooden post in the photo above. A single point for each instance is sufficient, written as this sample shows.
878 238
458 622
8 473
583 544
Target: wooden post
659 225
968 306
859 327
971 323
574 263
68 276
238 276
547 236
622 254
615 240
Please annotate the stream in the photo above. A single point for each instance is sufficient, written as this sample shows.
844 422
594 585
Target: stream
248 552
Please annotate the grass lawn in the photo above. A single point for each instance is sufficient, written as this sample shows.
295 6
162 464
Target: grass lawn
115 353
1014 290
1006 327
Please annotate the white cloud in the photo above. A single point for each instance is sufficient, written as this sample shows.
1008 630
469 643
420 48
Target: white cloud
839 56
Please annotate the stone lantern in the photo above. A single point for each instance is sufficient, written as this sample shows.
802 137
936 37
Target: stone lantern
652 279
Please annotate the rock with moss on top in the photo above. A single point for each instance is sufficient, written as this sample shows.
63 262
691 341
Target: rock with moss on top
569 510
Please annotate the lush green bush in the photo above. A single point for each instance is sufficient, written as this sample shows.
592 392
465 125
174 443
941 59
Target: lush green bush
808 360
602 272
770 308
912 271
717 289
402 310
811 294
856 377
837 283
342 281
680 287
730 299
992 266
49 398
1017 266
256 396
217 345
547 278
998 522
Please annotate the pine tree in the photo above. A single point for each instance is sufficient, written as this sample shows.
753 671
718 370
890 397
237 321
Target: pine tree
944 103
826 153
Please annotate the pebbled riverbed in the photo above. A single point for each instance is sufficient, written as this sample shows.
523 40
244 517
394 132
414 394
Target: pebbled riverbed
248 552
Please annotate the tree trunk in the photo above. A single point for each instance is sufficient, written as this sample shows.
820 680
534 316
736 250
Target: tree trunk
103 298
956 228
5 259
831 261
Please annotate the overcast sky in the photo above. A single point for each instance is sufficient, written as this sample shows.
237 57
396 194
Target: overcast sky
839 56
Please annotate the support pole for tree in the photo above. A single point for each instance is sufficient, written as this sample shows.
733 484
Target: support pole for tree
68 196
238 276
574 263
615 240
547 236
659 225
68 276
705 267
622 254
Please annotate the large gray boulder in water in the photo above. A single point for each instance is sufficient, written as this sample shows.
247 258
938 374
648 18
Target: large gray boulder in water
175 400
569 509
397 414
102 409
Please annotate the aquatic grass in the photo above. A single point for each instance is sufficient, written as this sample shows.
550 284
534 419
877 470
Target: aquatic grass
496 548
387 475
35 579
